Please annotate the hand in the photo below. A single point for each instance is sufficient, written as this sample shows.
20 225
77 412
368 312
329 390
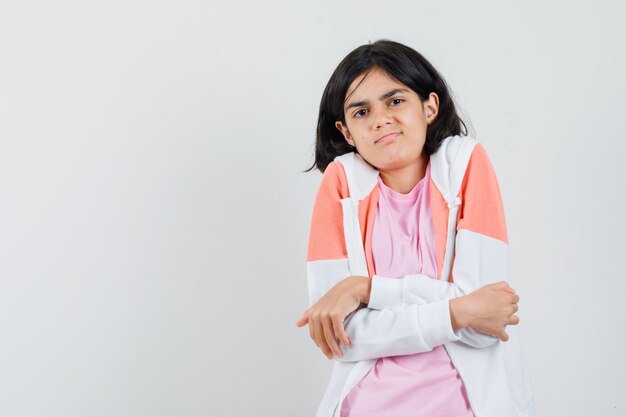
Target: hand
488 310
325 318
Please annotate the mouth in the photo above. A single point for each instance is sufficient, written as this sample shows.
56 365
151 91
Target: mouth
387 137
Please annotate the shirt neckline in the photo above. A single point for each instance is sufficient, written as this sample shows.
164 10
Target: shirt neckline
411 195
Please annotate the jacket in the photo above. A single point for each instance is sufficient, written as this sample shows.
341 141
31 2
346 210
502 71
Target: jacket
410 315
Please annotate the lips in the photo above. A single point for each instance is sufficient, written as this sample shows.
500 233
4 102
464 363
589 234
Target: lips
387 137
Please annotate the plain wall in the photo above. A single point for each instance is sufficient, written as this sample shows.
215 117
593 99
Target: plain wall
154 215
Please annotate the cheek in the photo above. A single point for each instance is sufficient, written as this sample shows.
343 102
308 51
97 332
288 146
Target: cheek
412 118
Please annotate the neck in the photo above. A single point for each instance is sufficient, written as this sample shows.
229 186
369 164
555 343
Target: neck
403 180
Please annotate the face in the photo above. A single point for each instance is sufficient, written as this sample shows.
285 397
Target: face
386 121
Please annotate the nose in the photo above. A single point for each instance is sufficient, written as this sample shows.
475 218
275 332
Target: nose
381 117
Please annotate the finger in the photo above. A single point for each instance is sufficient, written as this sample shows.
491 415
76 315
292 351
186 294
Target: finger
513 320
502 285
312 332
331 339
321 339
338 325
504 336
304 319
506 287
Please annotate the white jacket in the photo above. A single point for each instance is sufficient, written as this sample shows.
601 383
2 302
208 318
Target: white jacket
410 315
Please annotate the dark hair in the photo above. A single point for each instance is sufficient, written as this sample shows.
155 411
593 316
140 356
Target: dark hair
402 63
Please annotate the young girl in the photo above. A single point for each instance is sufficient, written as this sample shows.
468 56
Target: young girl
407 256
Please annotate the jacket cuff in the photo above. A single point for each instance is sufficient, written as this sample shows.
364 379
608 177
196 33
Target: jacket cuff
437 324
385 293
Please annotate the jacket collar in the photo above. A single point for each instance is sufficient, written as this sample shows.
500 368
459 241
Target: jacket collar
447 167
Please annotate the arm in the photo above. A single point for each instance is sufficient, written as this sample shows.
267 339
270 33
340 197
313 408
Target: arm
400 330
373 333
389 293
488 308
481 251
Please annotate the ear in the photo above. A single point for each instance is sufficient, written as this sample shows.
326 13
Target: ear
346 133
431 107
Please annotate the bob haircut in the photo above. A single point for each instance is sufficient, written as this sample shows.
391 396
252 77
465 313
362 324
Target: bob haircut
406 66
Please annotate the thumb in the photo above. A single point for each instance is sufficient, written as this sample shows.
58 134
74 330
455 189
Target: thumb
304 319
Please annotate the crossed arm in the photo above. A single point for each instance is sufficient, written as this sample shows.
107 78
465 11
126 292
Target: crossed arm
406 328
394 316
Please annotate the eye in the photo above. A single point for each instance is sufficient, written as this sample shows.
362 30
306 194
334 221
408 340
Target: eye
358 113
395 99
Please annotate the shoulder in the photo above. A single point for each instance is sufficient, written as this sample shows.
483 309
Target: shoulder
454 146
480 167
334 169
483 208
458 156
326 231
355 176
450 162
334 180
479 155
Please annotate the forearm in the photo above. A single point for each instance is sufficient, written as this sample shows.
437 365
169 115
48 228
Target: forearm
388 293
458 314
399 331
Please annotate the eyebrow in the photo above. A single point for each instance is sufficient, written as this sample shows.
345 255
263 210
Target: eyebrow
383 97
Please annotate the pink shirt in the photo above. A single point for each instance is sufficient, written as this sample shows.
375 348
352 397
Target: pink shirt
422 384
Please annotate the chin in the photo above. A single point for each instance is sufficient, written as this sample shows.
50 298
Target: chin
392 163
398 159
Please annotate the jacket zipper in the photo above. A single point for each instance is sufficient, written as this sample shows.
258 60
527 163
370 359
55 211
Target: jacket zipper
447 272
358 266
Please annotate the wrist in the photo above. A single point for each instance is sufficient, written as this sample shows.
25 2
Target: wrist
458 313
365 290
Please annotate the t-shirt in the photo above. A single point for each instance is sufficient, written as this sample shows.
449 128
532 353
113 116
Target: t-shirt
421 384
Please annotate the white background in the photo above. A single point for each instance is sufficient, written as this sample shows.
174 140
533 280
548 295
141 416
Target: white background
154 217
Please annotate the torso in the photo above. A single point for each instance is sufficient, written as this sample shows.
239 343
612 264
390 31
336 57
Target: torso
422 384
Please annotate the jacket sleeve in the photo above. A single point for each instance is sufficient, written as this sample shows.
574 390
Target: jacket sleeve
400 330
481 251
389 293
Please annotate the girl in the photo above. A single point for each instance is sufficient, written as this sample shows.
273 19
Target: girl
407 254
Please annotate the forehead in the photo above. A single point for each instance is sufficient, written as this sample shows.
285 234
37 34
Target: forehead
369 86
